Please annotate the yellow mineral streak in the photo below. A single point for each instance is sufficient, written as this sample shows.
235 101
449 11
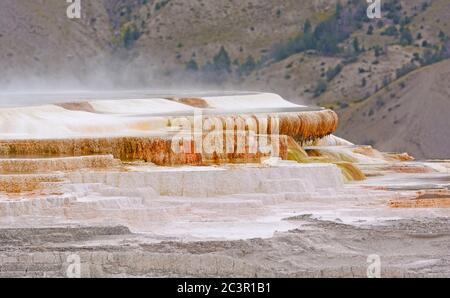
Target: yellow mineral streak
349 170
357 154
296 152
336 155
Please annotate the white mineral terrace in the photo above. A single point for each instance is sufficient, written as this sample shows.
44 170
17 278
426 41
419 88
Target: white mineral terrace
144 197
124 117
227 202
99 160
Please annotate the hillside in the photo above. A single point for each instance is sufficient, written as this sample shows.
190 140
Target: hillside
38 42
311 52
183 29
411 114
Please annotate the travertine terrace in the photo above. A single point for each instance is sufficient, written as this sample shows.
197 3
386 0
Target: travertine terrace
186 168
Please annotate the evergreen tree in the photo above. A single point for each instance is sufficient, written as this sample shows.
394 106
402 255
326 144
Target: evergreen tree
129 36
338 9
192 65
221 61
356 46
406 37
307 27
248 66
320 88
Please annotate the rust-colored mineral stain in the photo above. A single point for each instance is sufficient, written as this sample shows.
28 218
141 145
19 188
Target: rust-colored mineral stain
45 165
421 203
302 126
366 151
24 183
418 169
439 198
156 150
398 157
308 126
77 106
194 102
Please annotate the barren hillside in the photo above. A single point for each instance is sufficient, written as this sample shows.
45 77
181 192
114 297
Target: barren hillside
314 52
412 114
38 41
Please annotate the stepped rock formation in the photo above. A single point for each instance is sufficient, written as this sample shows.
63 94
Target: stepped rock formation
197 167
144 129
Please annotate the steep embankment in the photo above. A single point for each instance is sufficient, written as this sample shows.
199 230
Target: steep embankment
411 114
